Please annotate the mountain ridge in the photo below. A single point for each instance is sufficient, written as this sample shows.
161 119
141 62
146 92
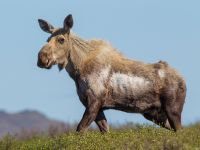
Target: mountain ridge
27 119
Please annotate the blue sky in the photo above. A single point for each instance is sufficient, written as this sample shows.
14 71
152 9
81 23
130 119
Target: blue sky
144 30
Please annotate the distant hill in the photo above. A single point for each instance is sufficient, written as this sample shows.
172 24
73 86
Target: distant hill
26 120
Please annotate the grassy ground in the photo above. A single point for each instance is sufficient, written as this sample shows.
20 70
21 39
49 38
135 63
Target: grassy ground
142 137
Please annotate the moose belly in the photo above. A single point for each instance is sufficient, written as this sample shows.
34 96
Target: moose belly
129 86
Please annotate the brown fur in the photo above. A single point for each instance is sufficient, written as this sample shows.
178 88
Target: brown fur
103 79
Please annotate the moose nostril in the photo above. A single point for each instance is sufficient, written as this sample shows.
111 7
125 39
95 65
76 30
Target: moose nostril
42 56
41 59
39 63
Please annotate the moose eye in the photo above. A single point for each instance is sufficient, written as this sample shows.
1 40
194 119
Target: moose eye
61 40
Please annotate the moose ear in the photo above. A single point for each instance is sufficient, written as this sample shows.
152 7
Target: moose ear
45 26
68 22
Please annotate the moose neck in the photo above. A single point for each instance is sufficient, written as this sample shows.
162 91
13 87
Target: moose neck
78 54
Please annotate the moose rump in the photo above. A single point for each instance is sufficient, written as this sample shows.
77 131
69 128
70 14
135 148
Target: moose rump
105 79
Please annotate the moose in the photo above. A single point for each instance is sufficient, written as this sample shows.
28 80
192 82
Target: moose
105 79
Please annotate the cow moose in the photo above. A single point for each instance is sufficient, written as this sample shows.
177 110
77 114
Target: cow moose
105 79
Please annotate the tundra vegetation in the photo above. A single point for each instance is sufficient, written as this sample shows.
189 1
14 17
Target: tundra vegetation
105 79
129 137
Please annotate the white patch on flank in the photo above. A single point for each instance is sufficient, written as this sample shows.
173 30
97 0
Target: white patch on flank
129 84
161 73
98 79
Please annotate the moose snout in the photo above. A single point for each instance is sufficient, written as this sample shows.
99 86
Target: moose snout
42 60
39 62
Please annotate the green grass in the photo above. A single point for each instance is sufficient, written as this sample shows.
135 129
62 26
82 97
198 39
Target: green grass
146 137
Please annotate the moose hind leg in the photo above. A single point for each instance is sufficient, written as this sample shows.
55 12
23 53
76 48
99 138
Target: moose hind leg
174 118
162 120
102 122
173 104
159 119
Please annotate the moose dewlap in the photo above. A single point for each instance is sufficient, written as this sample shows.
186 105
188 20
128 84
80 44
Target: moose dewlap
105 79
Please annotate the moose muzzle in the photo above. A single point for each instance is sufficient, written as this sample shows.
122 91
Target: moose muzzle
44 60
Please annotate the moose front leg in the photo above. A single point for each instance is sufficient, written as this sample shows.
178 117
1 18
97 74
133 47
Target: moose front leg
102 122
89 116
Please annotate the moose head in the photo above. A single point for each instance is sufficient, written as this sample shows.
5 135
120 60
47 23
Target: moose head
57 49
